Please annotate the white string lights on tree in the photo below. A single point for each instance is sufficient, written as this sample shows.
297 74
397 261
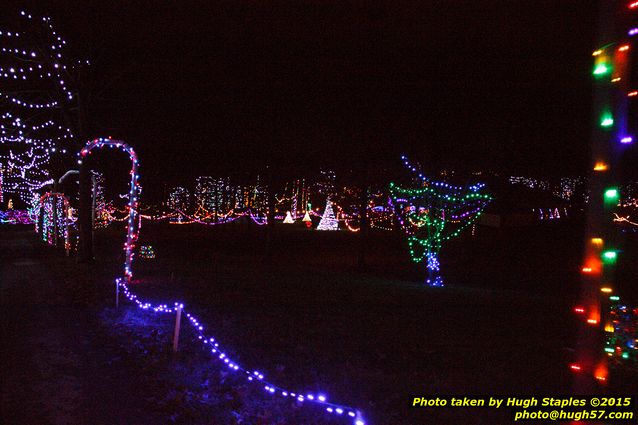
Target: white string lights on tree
328 220
103 210
288 219
35 90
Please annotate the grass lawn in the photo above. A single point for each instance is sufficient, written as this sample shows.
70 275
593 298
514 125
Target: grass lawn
310 319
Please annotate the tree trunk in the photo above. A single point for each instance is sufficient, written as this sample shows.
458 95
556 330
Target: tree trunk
363 226
85 244
270 226
85 227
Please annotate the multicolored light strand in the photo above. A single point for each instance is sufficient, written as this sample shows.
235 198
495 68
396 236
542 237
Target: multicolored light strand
602 313
133 204
15 217
433 212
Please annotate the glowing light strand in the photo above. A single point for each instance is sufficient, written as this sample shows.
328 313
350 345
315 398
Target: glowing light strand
132 227
213 346
206 340
427 212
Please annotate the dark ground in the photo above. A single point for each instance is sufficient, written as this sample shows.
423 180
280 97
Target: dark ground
68 357
57 361
310 319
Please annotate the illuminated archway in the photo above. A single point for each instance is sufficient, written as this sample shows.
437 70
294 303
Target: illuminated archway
133 200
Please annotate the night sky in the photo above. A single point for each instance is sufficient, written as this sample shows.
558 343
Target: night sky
211 87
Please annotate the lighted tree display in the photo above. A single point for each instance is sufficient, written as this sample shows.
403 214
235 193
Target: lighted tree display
101 208
328 220
288 219
433 212
179 199
34 97
207 193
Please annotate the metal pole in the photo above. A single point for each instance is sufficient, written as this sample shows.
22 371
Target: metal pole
178 318
117 293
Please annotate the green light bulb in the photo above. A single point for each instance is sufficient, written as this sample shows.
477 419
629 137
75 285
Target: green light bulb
609 257
611 194
601 69
607 121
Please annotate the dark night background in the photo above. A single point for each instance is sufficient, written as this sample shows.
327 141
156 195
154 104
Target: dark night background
221 88
211 87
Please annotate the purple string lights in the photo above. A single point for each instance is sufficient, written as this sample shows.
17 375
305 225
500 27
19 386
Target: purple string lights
15 217
210 343
207 341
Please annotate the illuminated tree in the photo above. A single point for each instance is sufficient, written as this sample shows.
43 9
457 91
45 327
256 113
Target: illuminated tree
328 220
179 199
433 212
34 95
102 208
206 193
288 219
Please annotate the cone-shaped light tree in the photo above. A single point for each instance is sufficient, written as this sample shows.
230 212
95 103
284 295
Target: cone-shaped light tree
328 220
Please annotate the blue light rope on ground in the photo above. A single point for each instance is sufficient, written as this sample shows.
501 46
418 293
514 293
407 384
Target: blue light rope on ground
208 342
251 375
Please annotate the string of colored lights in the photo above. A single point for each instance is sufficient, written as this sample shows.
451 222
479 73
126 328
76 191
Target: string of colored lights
427 211
427 181
54 212
257 220
15 217
621 332
197 220
133 224
601 309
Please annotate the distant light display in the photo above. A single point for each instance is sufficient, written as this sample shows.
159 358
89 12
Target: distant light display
179 199
147 252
